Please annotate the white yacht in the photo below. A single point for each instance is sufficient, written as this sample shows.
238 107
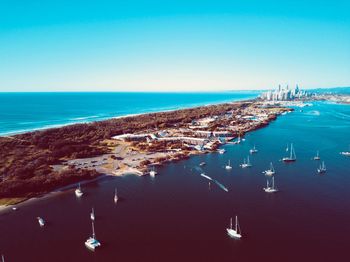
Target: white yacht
221 151
153 172
228 166
253 150
78 191
272 188
115 196
92 243
322 168
92 214
317 157
236 233
41 221
246 164
292 157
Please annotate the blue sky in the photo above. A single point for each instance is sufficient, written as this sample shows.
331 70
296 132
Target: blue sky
172 45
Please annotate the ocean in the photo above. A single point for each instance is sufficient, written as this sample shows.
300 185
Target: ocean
176 216
22 112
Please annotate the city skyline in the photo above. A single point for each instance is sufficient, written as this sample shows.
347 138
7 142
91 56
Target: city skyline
182 46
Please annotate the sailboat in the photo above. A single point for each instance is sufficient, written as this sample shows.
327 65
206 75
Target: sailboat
221 151
292 157
317 157
92 215
253 150
272 188
115 196
92 243
322 168
228 166
246 164
153 172
78 191
271 171
41 221
234 232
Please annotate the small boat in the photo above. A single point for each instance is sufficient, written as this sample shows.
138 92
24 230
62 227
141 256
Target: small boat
271 171
41 221
92 215
253 150
317 157
322 169
202 164
14 208
92 243
236 233
246 164
153 172
221 151
346 153
272 188
78 191
115 199
228 166
292 157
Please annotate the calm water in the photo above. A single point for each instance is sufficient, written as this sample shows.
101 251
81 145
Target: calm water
175 217
21 112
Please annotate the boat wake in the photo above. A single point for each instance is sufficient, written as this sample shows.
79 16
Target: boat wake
215 181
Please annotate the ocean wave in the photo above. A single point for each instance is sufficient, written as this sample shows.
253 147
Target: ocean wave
313 113
83 118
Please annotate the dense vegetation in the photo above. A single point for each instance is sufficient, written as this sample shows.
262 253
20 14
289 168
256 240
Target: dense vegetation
26 159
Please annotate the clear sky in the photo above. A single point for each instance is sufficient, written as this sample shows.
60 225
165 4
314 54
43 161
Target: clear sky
182 45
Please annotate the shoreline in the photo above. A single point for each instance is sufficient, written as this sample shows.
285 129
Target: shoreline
46 127
133 156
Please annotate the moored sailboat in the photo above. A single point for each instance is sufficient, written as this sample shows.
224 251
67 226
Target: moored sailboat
292 157
92 243
228 166
115 199
322 168
270 171
78 191
253 150
245 163
272 188
317 157
236 233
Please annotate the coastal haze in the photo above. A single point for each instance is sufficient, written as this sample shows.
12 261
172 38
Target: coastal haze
176 216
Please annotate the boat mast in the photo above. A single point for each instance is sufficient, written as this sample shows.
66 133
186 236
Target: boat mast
231 222
273 182
2 258
93 230
236 224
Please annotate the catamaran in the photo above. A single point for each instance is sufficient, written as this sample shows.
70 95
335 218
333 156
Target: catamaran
92 214
41 221
228 166
92 243
245 163
271 171
234 232
78 191
253 150
317 157
115 196
292 157
272 188
322 168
